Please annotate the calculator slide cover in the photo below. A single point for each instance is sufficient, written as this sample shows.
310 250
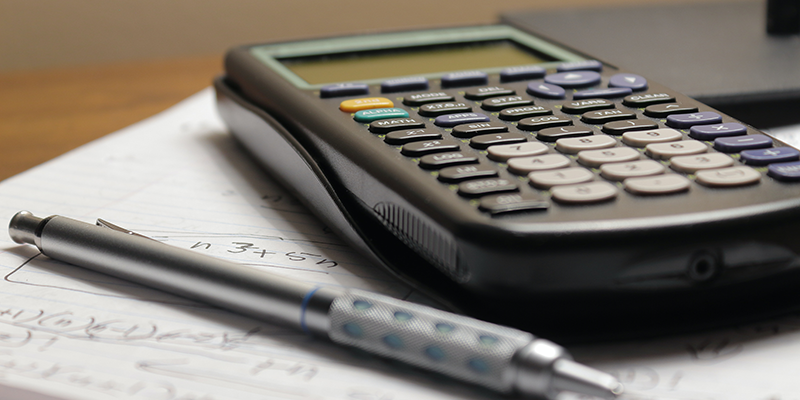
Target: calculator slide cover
630 265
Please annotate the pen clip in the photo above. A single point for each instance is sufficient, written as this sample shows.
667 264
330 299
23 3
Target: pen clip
105 224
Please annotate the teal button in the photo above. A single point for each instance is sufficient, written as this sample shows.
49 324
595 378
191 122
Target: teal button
375 114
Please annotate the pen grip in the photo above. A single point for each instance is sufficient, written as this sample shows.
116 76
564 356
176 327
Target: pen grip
454 345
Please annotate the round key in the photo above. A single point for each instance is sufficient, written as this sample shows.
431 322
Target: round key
591 192
692 164
558 177
668 150
633 169
546 90
662 184
524 165
505 151
594 142
643 138
632 81
573 79
726 177
596 158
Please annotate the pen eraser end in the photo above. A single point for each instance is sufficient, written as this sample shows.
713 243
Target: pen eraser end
22 227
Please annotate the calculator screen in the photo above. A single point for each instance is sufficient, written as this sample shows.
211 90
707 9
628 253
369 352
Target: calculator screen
423 60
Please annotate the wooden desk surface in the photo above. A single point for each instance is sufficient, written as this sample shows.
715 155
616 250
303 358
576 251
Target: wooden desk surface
48 112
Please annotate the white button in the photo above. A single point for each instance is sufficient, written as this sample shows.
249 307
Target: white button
503 152
668 150
595 158
523 165
574 145
622 171
734 176
692 164
566 176
661 184
643 138
584 193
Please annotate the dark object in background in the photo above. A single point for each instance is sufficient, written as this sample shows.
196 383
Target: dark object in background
783 17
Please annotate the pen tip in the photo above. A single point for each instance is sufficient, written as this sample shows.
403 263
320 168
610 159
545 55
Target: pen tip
571 376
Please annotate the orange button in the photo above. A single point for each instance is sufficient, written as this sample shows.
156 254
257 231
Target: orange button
365 104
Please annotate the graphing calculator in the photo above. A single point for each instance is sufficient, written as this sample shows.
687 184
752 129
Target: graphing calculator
522 181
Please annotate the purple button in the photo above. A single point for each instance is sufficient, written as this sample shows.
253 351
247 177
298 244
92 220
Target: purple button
343 89
711 132
585 65
523 73
688 120
546 90
769 156
458 119
404 84
601 93
789 171
573 79
635 82
736 144
464 78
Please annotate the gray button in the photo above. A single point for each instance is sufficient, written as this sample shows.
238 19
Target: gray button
643 138
585 193
595 158
733 176
566 176
692 164
574 145
634 169
505 151
661 184
523 165
682 148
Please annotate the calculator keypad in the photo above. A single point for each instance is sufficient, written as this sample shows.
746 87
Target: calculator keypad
588 139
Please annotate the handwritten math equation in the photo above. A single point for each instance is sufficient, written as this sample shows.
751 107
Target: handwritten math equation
263 254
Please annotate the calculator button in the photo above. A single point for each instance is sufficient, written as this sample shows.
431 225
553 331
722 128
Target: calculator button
662 184
573 79
480 187
499 103
603 116
404 84
365 103
643 100
634 169
643 138
464 172
667 109
464 78
343 89
518 113
511 202
441 160
478 128
585 65
606 93
523 73
394 124
733 176
484 141
524 165
789 171
566 176
769 156
379 113
692 164
620 127
672 149
689 120
736 144
411 135
594 142
585 193
596 158
415 149
711 132
631 81
418 99
582 106
546 90
505 151
486 92
537 123
450 120
437 109
554 134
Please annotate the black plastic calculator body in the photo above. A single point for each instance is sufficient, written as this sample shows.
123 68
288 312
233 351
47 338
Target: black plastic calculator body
519 179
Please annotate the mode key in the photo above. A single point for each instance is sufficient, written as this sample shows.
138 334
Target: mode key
418 99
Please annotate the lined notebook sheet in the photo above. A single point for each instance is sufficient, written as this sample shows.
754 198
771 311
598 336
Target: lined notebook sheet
179 177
